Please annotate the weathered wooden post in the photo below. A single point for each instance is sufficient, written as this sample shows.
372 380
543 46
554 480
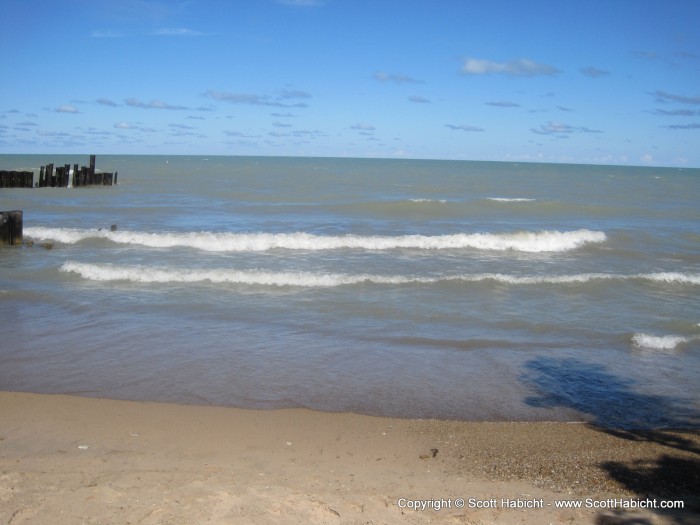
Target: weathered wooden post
115 177
10 227
92 169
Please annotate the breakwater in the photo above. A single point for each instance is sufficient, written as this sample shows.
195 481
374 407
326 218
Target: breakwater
65 176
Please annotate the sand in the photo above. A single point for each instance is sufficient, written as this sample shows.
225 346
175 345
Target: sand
70 460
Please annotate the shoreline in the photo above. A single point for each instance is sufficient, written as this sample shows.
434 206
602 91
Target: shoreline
68 459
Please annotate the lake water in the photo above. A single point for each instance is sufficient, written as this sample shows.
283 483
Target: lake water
429 289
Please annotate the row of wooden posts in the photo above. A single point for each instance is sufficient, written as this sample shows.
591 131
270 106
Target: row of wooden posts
58 177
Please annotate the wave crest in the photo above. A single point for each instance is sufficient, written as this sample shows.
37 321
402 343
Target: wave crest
150 274
532 242
510 199
656 342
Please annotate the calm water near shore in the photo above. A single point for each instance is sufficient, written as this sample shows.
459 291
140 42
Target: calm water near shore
463 290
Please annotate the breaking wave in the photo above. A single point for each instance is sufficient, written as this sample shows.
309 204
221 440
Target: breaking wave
659 342
506 199
533 242
150 274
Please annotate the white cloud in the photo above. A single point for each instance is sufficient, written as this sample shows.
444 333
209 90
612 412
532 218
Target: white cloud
396 78
99 33
521 67
464 127
107 102
67 108
363 127
260 100
177 31
503 104
52 133
561 130
153 104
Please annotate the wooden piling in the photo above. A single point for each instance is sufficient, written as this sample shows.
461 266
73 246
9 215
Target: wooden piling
58 177
50 177
16 179
10 227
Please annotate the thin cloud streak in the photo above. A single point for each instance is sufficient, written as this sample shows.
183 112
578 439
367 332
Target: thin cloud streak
663 96
66 108
153 104
177 31
561 130
464 127
503 104
259 100
521 67
395 78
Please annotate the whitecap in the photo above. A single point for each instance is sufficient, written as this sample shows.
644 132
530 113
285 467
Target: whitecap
655 342
524 241
510 199
146 274
151 274
672 277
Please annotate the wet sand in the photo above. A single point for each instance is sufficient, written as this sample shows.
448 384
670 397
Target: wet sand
68 459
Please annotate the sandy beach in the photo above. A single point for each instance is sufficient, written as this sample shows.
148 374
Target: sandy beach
67 459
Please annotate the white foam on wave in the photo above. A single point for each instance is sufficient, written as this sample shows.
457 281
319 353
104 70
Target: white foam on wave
533 242
510 199
150 274
672 277
659 342
144 274
663 277
441 201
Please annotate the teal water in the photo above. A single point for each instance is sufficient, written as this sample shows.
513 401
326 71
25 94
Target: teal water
462 290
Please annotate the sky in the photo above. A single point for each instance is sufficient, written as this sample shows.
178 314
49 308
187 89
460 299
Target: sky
591 82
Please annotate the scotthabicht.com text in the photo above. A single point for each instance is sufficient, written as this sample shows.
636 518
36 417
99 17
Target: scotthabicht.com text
438 504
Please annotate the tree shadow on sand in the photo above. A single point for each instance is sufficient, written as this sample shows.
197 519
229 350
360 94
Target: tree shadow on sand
612 405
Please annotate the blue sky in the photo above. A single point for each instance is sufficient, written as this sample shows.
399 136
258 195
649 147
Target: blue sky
604 82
